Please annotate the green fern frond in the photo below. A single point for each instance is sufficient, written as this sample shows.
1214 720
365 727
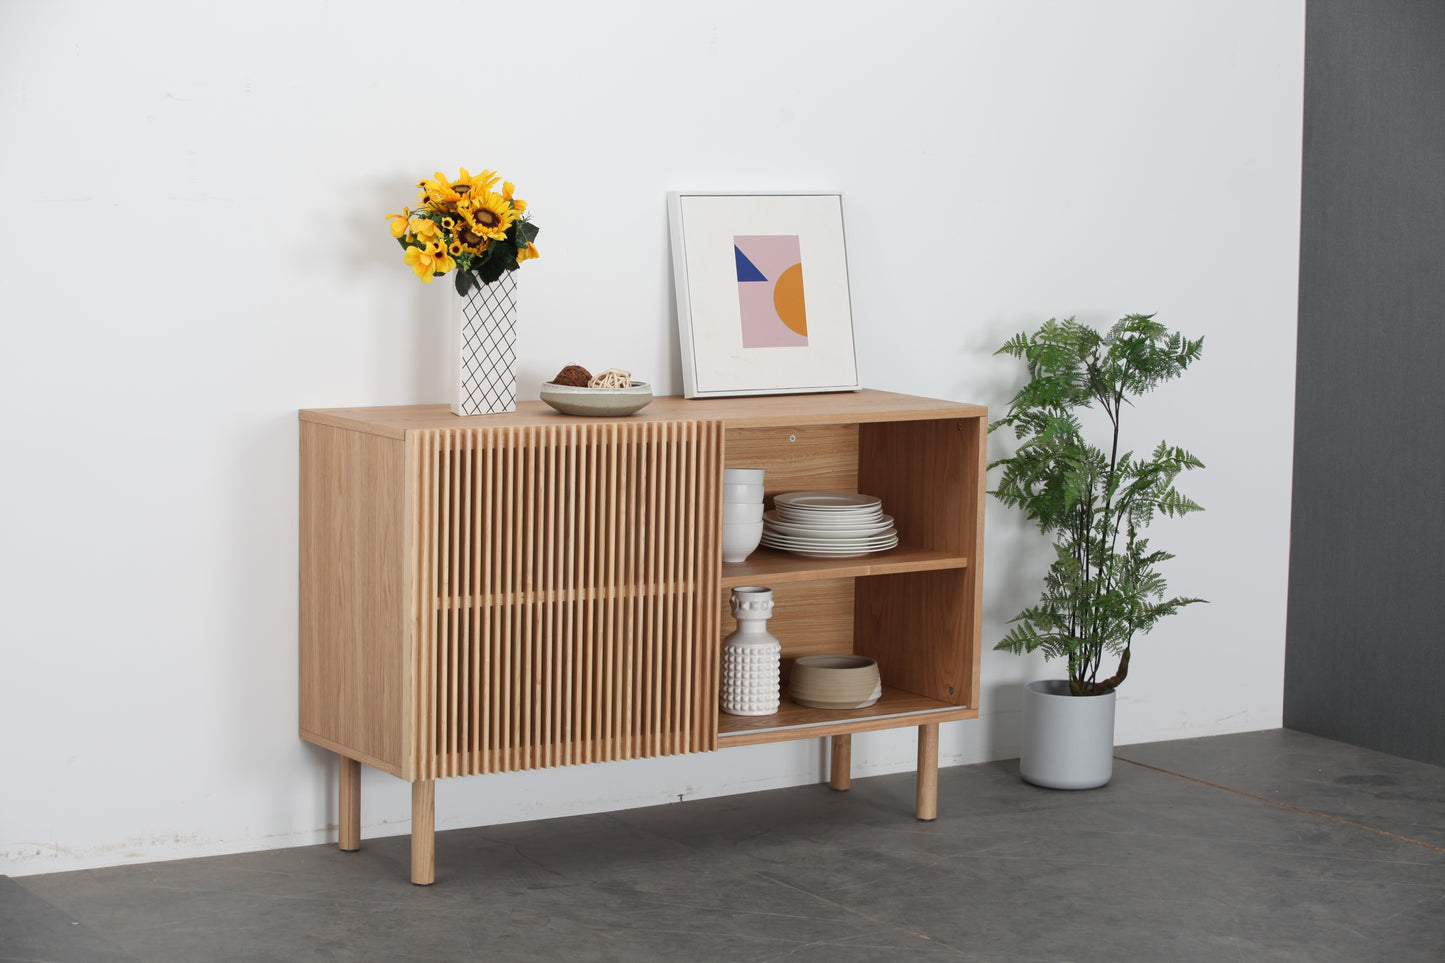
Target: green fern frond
1103 587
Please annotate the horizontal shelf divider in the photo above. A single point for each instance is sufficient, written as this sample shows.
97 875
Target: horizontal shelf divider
768 566
763 565
896 709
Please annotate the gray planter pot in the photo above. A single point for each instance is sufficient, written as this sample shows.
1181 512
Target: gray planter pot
1068 741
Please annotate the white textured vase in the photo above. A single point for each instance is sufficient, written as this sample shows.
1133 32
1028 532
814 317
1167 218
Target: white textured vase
1068 740
750 656
484 348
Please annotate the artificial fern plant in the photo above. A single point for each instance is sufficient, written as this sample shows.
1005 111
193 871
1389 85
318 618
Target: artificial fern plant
1103 587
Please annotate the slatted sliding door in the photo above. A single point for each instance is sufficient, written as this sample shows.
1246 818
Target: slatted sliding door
566 594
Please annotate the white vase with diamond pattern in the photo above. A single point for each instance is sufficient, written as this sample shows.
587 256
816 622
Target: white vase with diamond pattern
750 656
484 348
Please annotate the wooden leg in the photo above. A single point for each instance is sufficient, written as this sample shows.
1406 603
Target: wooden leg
423 832
348 820
928 771
840 772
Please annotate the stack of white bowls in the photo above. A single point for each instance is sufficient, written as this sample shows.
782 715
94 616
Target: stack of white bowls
742 512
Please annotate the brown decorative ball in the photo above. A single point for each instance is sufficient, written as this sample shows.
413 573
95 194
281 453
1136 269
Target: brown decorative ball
574 375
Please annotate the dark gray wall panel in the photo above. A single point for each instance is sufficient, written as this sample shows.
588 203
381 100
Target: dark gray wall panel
1365 651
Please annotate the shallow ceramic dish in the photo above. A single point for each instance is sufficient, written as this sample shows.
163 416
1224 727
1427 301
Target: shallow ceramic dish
597 402
836 550
842 528
824 549
851 503
835 681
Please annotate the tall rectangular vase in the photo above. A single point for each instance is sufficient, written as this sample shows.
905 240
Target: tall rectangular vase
484 348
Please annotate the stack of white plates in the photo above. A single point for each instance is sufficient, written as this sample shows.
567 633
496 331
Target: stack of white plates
828 525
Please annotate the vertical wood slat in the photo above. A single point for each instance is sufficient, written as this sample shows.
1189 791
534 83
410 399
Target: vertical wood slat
450 506
587 600
606 527
571 550
505 609
673 689
474 612
632 484
608 590
547 575
566 593
490 498
709 550
688 479
523 607
461 525
652 653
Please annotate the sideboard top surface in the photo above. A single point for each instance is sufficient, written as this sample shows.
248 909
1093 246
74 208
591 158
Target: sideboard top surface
744 412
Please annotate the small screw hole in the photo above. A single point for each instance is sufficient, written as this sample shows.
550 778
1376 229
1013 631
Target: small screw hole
792 437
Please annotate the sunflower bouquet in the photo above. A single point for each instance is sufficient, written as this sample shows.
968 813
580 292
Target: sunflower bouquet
466 226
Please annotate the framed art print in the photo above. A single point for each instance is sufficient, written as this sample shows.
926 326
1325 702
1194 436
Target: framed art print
762 293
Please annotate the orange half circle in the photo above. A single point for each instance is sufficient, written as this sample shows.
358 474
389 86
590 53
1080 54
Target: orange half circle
788 300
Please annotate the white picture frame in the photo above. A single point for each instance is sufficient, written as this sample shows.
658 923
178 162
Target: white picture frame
774 329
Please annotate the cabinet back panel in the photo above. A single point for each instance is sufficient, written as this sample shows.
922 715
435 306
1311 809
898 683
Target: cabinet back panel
910 623
808 617
565 583
923 472
799 458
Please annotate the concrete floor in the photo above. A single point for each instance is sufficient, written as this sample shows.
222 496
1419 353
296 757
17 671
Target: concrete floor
1262 846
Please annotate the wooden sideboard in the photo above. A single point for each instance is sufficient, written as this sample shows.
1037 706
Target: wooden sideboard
501 592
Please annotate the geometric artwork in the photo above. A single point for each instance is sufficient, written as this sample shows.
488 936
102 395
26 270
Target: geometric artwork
770 290
748 323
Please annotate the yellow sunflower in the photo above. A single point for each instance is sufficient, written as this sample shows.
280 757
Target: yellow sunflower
488 214
438 193
471 242
470 186
527 253
398 224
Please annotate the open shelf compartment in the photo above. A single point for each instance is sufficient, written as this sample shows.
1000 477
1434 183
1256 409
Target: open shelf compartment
913 609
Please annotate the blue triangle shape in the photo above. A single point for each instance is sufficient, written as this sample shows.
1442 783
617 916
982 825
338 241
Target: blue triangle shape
746 270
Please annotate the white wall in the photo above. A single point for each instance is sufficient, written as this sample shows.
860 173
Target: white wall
196 247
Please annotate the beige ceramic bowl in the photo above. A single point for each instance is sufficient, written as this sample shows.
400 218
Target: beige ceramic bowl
597 402
835 681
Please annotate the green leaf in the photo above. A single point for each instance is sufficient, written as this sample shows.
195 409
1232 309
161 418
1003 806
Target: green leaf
490 270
